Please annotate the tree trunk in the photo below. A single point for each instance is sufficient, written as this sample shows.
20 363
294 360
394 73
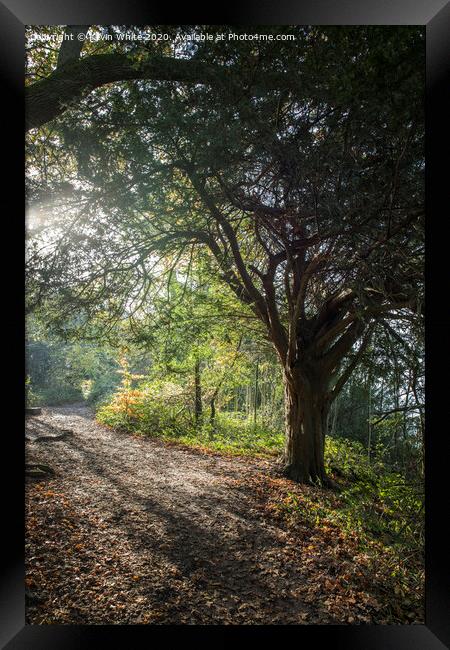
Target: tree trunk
212 417
335 417
198 392
255 405
306 411
369 415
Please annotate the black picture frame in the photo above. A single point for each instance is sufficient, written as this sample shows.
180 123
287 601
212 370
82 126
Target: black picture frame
435 15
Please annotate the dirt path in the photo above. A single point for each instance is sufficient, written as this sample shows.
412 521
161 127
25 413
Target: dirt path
133 530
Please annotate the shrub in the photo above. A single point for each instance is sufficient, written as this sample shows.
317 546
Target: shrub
166 409
153 408
31 399
374 498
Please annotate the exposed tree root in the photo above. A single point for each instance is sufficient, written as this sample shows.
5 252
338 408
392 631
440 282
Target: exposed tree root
38 471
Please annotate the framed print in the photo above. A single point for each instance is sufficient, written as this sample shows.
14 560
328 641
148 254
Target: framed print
235 316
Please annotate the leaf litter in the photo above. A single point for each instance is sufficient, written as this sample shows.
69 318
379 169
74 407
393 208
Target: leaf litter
132 530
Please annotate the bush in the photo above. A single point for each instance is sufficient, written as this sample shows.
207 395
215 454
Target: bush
166 409
235 433
374 498
31 399
154 408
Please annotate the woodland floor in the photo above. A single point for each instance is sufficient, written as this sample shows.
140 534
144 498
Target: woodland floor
134 530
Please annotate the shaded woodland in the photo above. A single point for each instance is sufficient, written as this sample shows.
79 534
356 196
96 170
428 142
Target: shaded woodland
225 251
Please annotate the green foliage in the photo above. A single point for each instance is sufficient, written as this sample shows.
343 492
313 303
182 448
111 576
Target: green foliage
55 395
165 409
154 408
376 503
233 433
374 499
61 372
30 396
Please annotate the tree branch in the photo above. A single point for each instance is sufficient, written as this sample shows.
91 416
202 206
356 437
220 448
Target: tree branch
71 47
400 409
352 365
49 97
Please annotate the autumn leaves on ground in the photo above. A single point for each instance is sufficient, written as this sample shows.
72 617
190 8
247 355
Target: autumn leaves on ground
134 530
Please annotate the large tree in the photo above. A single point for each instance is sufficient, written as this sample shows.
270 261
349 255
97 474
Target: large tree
307 199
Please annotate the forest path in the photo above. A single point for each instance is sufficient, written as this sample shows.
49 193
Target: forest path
135 530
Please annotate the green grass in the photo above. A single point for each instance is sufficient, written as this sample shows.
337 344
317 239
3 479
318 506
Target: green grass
232 435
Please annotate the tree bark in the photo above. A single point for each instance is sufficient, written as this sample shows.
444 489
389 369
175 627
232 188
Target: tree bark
306 410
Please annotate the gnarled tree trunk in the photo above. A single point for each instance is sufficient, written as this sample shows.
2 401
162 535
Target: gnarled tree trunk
306 408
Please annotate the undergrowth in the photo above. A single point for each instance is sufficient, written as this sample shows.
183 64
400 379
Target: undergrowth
375 502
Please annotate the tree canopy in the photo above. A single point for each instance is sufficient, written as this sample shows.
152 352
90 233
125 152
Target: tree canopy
290 173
